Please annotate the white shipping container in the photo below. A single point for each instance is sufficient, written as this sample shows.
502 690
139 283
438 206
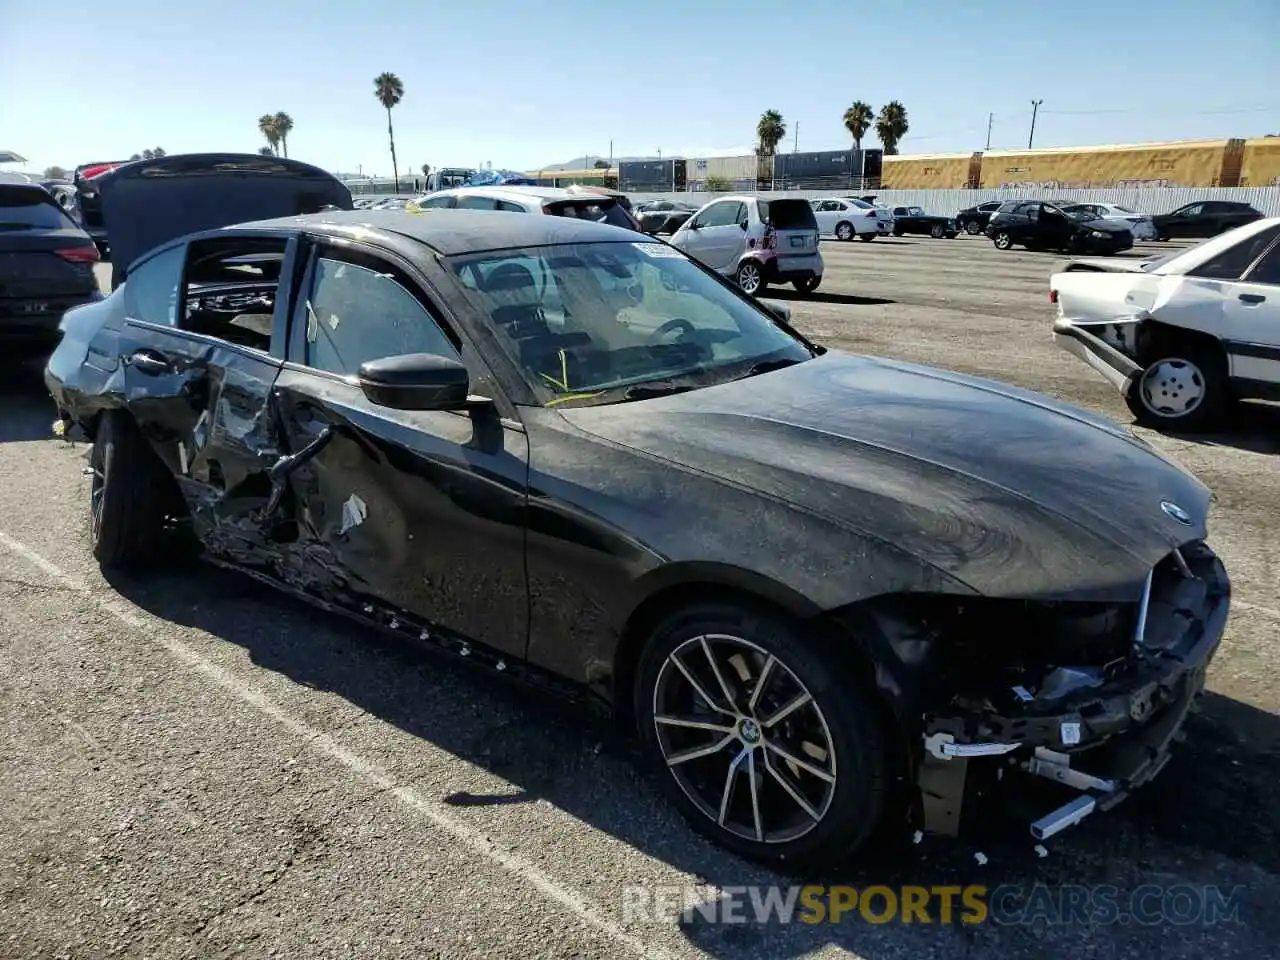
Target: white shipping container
728 168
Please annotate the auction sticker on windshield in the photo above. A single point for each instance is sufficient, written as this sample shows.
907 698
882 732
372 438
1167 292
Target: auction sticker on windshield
659 250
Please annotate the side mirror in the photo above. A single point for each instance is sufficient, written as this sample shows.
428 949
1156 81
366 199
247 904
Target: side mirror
416 381
692 225
743 224
778 308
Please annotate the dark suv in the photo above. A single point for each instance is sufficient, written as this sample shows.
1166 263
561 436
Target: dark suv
1206 218
1037 225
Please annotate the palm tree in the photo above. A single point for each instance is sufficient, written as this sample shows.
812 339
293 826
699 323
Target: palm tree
267 127
857 120
770 131
284 127
266 152
891 126
389 91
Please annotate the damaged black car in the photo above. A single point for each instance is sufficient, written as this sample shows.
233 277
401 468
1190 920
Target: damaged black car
819 587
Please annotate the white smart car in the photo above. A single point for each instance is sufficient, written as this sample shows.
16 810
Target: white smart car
1184 335
756 242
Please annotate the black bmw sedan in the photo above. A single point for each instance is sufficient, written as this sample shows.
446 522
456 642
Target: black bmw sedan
821 589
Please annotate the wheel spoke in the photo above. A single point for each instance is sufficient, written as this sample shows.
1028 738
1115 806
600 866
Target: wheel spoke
715 668
694 724
795 704
761 681
791 791
802 764
697 687
755 796
730 778
693 754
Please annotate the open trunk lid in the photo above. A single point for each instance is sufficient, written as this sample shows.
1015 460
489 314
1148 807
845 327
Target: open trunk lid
794 225
149 202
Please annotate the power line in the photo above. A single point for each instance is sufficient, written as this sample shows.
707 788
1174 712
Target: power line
1261 108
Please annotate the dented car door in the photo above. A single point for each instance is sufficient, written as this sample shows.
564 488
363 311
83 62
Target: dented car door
418 514
198 381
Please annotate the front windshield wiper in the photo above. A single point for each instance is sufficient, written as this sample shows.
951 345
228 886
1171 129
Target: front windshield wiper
768 366
660 388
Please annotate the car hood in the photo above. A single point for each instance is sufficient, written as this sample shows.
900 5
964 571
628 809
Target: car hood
150 202
1104 265
1007 491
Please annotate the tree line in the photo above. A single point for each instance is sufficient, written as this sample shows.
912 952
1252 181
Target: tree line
890 126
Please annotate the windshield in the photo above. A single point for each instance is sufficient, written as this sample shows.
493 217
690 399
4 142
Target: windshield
916 212
1080 213
862 204
586 322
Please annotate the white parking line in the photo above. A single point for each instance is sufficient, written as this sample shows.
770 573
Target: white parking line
368 771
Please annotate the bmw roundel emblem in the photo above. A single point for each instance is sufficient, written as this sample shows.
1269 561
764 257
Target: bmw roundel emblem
1175 511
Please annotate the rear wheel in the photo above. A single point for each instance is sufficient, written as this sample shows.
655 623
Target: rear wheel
764 741
845 231
130 494
1003 241
1185 386
938 231
750 277
807 285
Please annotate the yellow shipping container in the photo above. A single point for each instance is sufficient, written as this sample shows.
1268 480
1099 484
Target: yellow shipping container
1261 164
1184 163
937 171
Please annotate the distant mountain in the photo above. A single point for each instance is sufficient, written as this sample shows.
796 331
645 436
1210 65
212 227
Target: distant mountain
586 163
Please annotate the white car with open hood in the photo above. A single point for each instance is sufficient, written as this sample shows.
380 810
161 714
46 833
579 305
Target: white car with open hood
1182 336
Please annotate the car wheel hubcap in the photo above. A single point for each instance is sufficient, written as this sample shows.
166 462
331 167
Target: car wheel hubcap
971 228
1172 388
1002 241
749 279
845 231
744 739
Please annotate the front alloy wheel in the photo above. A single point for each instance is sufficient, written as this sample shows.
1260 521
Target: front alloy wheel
750 278
763 740
1002 241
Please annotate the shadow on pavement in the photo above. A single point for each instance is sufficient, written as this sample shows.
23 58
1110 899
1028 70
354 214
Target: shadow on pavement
1216 801
26 410
820 296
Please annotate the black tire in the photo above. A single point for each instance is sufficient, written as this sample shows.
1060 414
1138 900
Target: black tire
897 232
1175 367
938 231
839 714
130 495
867 237
750 277
807 286
844 231
973 228
1002 241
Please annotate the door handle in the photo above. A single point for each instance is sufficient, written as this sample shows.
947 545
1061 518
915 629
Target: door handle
151 362
1253 298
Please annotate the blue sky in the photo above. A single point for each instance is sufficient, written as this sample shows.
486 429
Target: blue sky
523 84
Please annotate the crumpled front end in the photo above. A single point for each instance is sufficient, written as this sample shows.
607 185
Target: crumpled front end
1096 705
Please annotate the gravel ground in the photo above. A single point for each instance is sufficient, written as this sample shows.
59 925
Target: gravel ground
193 766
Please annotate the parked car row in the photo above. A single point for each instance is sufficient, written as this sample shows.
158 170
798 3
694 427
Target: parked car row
572 455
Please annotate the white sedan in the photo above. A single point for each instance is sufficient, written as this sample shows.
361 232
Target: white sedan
1139 224
1181 336
845 218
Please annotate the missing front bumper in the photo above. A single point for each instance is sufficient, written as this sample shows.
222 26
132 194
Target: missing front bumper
1119 370
1103 743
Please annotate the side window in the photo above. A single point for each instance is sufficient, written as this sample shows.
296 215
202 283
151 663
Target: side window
510 207
356 313
151 290
1267 270
1192 211
718 215
434 202
476 203
1030 210
231 288
1234 261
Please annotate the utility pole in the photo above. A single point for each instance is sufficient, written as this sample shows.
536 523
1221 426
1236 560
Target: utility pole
991 118
795 148
1035 107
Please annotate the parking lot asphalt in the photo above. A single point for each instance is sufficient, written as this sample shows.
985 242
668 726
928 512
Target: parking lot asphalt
194 766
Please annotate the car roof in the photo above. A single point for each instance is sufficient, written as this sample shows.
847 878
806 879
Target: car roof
454 232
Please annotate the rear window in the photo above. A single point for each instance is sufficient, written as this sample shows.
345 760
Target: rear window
26 208
604 209
788 214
